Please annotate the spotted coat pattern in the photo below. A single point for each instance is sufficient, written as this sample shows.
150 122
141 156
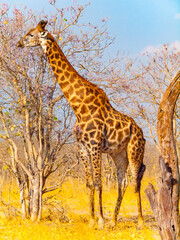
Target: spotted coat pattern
99 127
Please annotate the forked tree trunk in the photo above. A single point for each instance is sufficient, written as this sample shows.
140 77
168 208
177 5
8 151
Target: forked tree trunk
165 201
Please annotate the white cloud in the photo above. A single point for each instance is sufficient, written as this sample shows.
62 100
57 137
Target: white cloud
152 49
176 44
177 16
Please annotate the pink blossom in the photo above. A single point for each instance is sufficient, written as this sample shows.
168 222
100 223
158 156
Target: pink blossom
104 19
52 1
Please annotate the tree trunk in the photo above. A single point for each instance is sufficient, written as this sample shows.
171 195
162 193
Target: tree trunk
41 183
23 201
35 197
165 202
161 202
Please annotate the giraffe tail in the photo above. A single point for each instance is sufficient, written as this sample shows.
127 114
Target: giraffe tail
140 176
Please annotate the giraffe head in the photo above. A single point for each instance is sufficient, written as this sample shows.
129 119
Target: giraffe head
35 36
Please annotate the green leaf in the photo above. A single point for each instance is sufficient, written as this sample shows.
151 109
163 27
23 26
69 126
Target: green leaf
55 118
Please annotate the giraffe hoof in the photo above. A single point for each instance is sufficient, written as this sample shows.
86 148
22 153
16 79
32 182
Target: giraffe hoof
91 223
100 223
140 224
112 224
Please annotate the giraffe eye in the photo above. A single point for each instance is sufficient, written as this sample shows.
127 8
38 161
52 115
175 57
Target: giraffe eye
43 34
31 35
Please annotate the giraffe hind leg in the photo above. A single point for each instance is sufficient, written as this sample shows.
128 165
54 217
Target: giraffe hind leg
138 193
135 157
121 163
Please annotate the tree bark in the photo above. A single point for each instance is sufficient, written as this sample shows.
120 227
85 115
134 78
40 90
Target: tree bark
165 202
161 202
35 198
22 200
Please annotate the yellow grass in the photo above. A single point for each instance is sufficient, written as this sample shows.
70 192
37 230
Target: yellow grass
65 216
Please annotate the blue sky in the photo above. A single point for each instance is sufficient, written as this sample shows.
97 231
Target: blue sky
136 24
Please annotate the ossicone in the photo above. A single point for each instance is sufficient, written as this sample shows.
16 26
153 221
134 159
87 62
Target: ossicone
42 24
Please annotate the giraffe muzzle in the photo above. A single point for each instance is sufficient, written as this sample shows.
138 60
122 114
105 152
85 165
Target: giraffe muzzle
20 43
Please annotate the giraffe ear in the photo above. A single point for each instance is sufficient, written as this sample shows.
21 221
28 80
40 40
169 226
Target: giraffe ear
41 25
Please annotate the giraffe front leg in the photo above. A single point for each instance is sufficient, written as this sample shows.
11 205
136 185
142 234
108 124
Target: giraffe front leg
90 187
96 163
84 156
92 219
100 209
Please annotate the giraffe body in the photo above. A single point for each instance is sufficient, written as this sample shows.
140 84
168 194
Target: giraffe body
99 127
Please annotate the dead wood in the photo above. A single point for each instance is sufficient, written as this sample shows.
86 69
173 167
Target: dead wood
165 201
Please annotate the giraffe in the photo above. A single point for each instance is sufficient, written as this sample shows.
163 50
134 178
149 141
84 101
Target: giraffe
99 127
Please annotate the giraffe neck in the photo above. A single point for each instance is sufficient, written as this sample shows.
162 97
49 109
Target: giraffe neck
72 84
